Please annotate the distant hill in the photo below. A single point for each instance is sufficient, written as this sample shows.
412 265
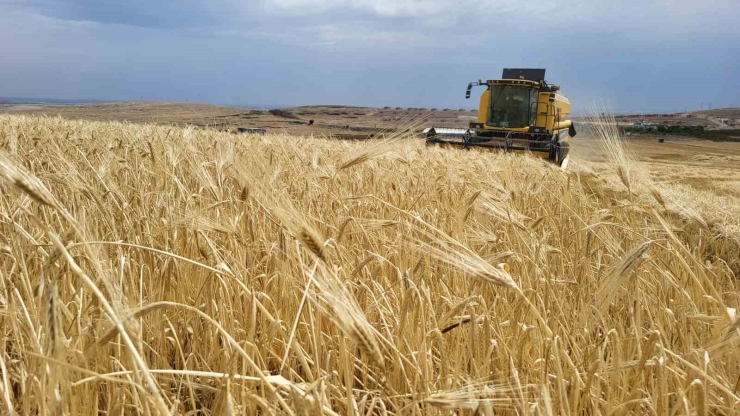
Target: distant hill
730 112
48 101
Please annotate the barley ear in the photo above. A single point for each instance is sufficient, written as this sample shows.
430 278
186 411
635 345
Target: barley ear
658 196
610 285
25 182
470 205
366 342
151 153
362 158
312 242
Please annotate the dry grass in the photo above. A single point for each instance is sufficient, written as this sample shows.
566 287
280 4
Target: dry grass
150 270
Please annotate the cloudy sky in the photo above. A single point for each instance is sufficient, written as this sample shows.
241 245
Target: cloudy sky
634 55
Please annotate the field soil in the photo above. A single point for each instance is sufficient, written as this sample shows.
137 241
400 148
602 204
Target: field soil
327 119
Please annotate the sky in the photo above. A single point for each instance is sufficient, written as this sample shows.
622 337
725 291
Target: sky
631 55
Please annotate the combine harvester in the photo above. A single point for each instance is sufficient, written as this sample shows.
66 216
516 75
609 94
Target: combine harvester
519 113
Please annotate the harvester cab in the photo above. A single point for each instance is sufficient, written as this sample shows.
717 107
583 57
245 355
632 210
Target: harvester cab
521 112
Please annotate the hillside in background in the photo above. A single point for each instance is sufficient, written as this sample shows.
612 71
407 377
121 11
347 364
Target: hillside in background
327 119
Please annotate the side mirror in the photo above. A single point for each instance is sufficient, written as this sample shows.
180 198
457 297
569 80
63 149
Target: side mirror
470 87
572 130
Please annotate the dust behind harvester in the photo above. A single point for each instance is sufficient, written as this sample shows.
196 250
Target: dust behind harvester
521 112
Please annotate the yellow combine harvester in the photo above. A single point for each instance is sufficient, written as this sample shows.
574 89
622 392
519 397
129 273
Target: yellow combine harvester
520 112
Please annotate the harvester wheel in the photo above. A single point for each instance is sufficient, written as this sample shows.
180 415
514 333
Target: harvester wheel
564 163
562 151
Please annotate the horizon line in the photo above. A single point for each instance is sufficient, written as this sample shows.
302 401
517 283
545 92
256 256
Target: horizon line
71 101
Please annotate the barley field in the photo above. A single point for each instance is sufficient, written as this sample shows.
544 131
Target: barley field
154 270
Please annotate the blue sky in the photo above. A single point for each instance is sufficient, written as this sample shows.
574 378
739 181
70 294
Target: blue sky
633 55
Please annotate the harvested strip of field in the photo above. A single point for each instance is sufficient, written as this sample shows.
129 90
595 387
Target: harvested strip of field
158 270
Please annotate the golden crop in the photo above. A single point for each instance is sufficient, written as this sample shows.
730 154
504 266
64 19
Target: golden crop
157 270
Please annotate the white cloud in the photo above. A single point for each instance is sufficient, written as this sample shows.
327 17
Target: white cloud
390 8
415 8
446 22
412 23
